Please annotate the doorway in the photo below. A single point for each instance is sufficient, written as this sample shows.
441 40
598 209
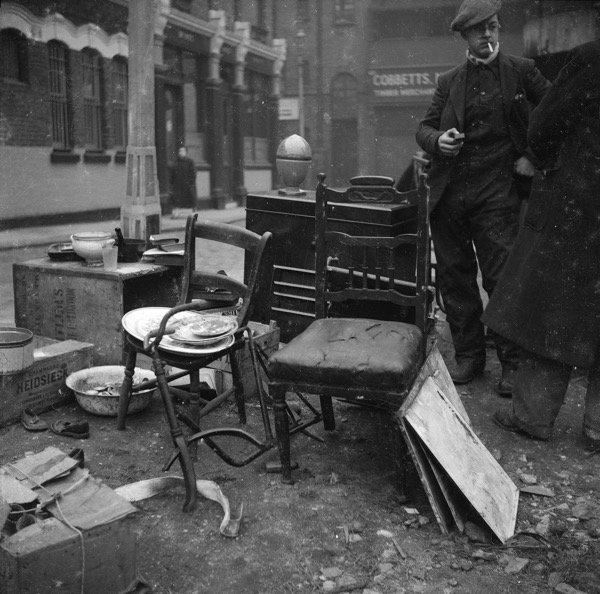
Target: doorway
173 122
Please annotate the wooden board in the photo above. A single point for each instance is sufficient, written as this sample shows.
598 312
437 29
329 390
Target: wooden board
442 512
464 458
435 367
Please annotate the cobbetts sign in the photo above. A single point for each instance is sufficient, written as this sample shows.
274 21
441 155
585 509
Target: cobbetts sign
404 84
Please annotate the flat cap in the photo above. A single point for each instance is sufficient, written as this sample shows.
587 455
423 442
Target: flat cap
472 12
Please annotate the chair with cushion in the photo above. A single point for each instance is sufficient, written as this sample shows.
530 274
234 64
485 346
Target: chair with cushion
202 293
364 360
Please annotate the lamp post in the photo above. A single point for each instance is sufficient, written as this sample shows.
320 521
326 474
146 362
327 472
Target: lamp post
300 38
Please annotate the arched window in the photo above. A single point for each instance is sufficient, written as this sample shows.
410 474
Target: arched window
92 99
119 98
60 101
343 12
13 49
344 94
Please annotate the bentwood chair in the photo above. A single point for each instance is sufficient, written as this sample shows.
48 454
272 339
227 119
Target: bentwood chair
363 360
203 292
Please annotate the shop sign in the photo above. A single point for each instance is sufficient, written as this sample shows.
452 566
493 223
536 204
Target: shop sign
187 39
404 84
288 108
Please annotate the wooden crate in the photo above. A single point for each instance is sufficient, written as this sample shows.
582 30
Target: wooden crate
42 385
66 300
267 337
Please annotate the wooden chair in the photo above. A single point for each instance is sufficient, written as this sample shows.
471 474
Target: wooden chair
359 359
203 291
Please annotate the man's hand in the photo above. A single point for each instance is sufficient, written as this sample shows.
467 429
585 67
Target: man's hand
524 167
450 142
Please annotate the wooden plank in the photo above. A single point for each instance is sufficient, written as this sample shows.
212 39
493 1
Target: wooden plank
440 508
435 367
451 494
464 458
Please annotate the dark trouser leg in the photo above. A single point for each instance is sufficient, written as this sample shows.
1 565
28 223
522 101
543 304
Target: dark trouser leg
591 417
538 393
495 223
457 275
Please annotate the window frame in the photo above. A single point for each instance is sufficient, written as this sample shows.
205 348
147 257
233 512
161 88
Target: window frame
120 101
61 107
93 102
344 12
15 56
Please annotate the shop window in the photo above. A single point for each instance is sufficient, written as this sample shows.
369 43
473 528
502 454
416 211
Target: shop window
256 118
60 101
183 5
344 94
302 11
343 12
13 49
92 99
119 82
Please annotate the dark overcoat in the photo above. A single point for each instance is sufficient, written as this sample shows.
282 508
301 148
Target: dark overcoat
521 83
548 297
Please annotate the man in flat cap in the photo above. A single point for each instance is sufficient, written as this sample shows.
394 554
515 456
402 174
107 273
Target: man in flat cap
476 134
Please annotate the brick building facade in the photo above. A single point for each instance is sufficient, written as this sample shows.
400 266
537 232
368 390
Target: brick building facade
234 77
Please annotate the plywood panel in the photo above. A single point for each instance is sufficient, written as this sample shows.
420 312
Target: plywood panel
464 458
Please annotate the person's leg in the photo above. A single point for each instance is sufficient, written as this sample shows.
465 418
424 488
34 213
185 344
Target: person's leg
539 391
457 277
495 226
591 416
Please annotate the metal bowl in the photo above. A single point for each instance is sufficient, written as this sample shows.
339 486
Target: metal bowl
88 245
97 389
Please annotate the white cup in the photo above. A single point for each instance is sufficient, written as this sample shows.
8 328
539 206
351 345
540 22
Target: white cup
109 257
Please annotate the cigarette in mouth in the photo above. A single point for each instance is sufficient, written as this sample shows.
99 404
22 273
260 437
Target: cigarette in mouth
491 47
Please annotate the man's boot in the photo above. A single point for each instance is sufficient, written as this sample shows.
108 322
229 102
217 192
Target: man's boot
466 370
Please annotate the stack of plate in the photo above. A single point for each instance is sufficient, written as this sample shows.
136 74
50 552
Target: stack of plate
210 330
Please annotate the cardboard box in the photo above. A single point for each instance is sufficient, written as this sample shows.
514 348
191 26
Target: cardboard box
87 540
46 557
42 385
267 337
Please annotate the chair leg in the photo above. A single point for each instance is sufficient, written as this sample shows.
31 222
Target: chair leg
282 431
126 387
238 384
327 412
185 460
194 407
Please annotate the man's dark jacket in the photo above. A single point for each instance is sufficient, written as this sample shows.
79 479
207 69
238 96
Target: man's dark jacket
548 297
521 84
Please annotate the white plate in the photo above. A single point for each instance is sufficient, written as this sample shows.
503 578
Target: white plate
138 322
167 344
187 338
212 326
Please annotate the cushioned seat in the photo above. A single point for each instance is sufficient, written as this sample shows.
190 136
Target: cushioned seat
352 352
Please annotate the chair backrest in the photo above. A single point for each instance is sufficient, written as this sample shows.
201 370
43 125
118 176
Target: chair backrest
213 285
373 269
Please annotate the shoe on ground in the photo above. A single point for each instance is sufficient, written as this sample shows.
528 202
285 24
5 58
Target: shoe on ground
31 421
466 370
591 443
74 429
504 420
504 387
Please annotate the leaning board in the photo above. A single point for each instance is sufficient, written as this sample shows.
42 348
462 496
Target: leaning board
461 454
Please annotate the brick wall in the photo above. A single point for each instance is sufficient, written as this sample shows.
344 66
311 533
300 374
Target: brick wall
23 106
